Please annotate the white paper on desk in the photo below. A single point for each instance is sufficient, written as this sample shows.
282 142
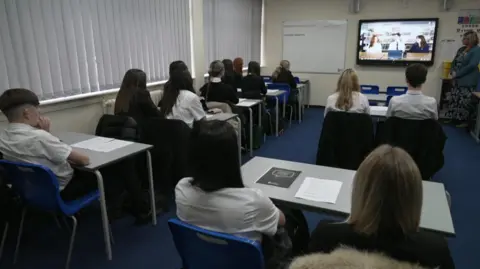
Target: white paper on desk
319 190
378 110
248 103
272 91
101 144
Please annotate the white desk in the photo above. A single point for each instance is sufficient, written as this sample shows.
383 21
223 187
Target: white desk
102 159
378 111
377 97
275 94
226 117
248 104
436 214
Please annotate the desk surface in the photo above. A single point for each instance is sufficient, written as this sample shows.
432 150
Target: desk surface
248 103
273 92
378 111
101 159
435 212
221 116
377 97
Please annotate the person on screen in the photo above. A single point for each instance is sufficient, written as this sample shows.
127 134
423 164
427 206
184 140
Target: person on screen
375 45
397 43
385 215
348 97
420 46
414 105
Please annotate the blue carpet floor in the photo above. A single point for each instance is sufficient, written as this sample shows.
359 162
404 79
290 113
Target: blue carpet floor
45 245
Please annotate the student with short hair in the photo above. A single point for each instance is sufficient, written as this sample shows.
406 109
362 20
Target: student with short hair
217 91
253 86
385 214
180 103
347 96
133 98
414 105
27 138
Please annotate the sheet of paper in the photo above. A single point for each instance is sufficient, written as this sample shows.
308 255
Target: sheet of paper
380 111
272 91
248 103
241 99
102 144
319 190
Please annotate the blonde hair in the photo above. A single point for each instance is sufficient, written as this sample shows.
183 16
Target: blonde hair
346 85
472 38
387 194
284 64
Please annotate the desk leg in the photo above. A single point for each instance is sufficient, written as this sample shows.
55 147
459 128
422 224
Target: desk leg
152 191
251 131
284 105
276 114
476 132
103 207
300 95
239 138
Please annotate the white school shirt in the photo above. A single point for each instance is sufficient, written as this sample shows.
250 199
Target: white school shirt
188 108
23 143
377 48
393 46
360 104
413 106
243 212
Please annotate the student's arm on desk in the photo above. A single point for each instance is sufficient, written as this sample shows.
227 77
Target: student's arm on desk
78 158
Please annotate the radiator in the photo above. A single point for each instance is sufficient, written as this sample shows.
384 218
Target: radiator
109 105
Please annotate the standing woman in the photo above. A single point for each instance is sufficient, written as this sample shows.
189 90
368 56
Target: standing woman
133 98
465 76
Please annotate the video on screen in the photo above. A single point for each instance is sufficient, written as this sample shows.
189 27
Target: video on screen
397 41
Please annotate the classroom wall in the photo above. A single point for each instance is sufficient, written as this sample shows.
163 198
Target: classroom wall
83 115
322 85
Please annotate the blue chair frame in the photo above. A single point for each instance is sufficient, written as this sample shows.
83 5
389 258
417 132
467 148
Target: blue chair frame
200 248
396 90
38 187
370 89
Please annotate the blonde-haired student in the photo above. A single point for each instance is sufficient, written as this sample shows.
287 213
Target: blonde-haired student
348 97
386 207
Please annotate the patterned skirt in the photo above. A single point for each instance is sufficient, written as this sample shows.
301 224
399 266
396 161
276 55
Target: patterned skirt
460 103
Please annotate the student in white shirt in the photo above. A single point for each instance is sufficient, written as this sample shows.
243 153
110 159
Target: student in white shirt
180 103
414 105
397 43
215 197
27 139
375 46
348 97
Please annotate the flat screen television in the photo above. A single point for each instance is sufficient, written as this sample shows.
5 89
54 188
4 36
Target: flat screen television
396 42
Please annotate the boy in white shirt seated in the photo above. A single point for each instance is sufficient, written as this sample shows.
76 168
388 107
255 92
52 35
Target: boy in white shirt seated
27 139
414 105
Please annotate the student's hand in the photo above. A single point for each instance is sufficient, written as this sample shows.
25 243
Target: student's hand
44 123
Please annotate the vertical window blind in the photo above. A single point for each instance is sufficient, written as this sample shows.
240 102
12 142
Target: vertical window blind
232 28
60 48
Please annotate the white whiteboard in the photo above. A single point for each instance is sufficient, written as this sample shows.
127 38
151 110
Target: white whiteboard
315 46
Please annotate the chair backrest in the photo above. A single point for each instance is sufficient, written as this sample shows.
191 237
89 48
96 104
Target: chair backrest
280 86
396 90
346 139
200 248
389 97
35 184
267 78
370 89
297 80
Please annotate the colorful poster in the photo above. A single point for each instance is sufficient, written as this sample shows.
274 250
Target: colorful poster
468 20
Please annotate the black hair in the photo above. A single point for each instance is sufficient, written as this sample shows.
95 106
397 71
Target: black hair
228 65
416 74
214 158
179 80
133 81
177 65
13 98
254 68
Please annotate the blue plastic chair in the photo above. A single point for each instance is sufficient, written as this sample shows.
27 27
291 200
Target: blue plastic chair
388 100
297 80
38 187
396 90
370 89
200 248
267 79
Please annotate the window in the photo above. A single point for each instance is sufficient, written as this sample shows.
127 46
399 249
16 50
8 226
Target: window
60 48
232 28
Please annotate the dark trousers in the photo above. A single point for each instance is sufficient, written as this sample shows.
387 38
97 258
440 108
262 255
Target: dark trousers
117 179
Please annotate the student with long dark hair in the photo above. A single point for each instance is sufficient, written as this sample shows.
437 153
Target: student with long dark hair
230 77
178 102
253 86
179 66
133 98
215 198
